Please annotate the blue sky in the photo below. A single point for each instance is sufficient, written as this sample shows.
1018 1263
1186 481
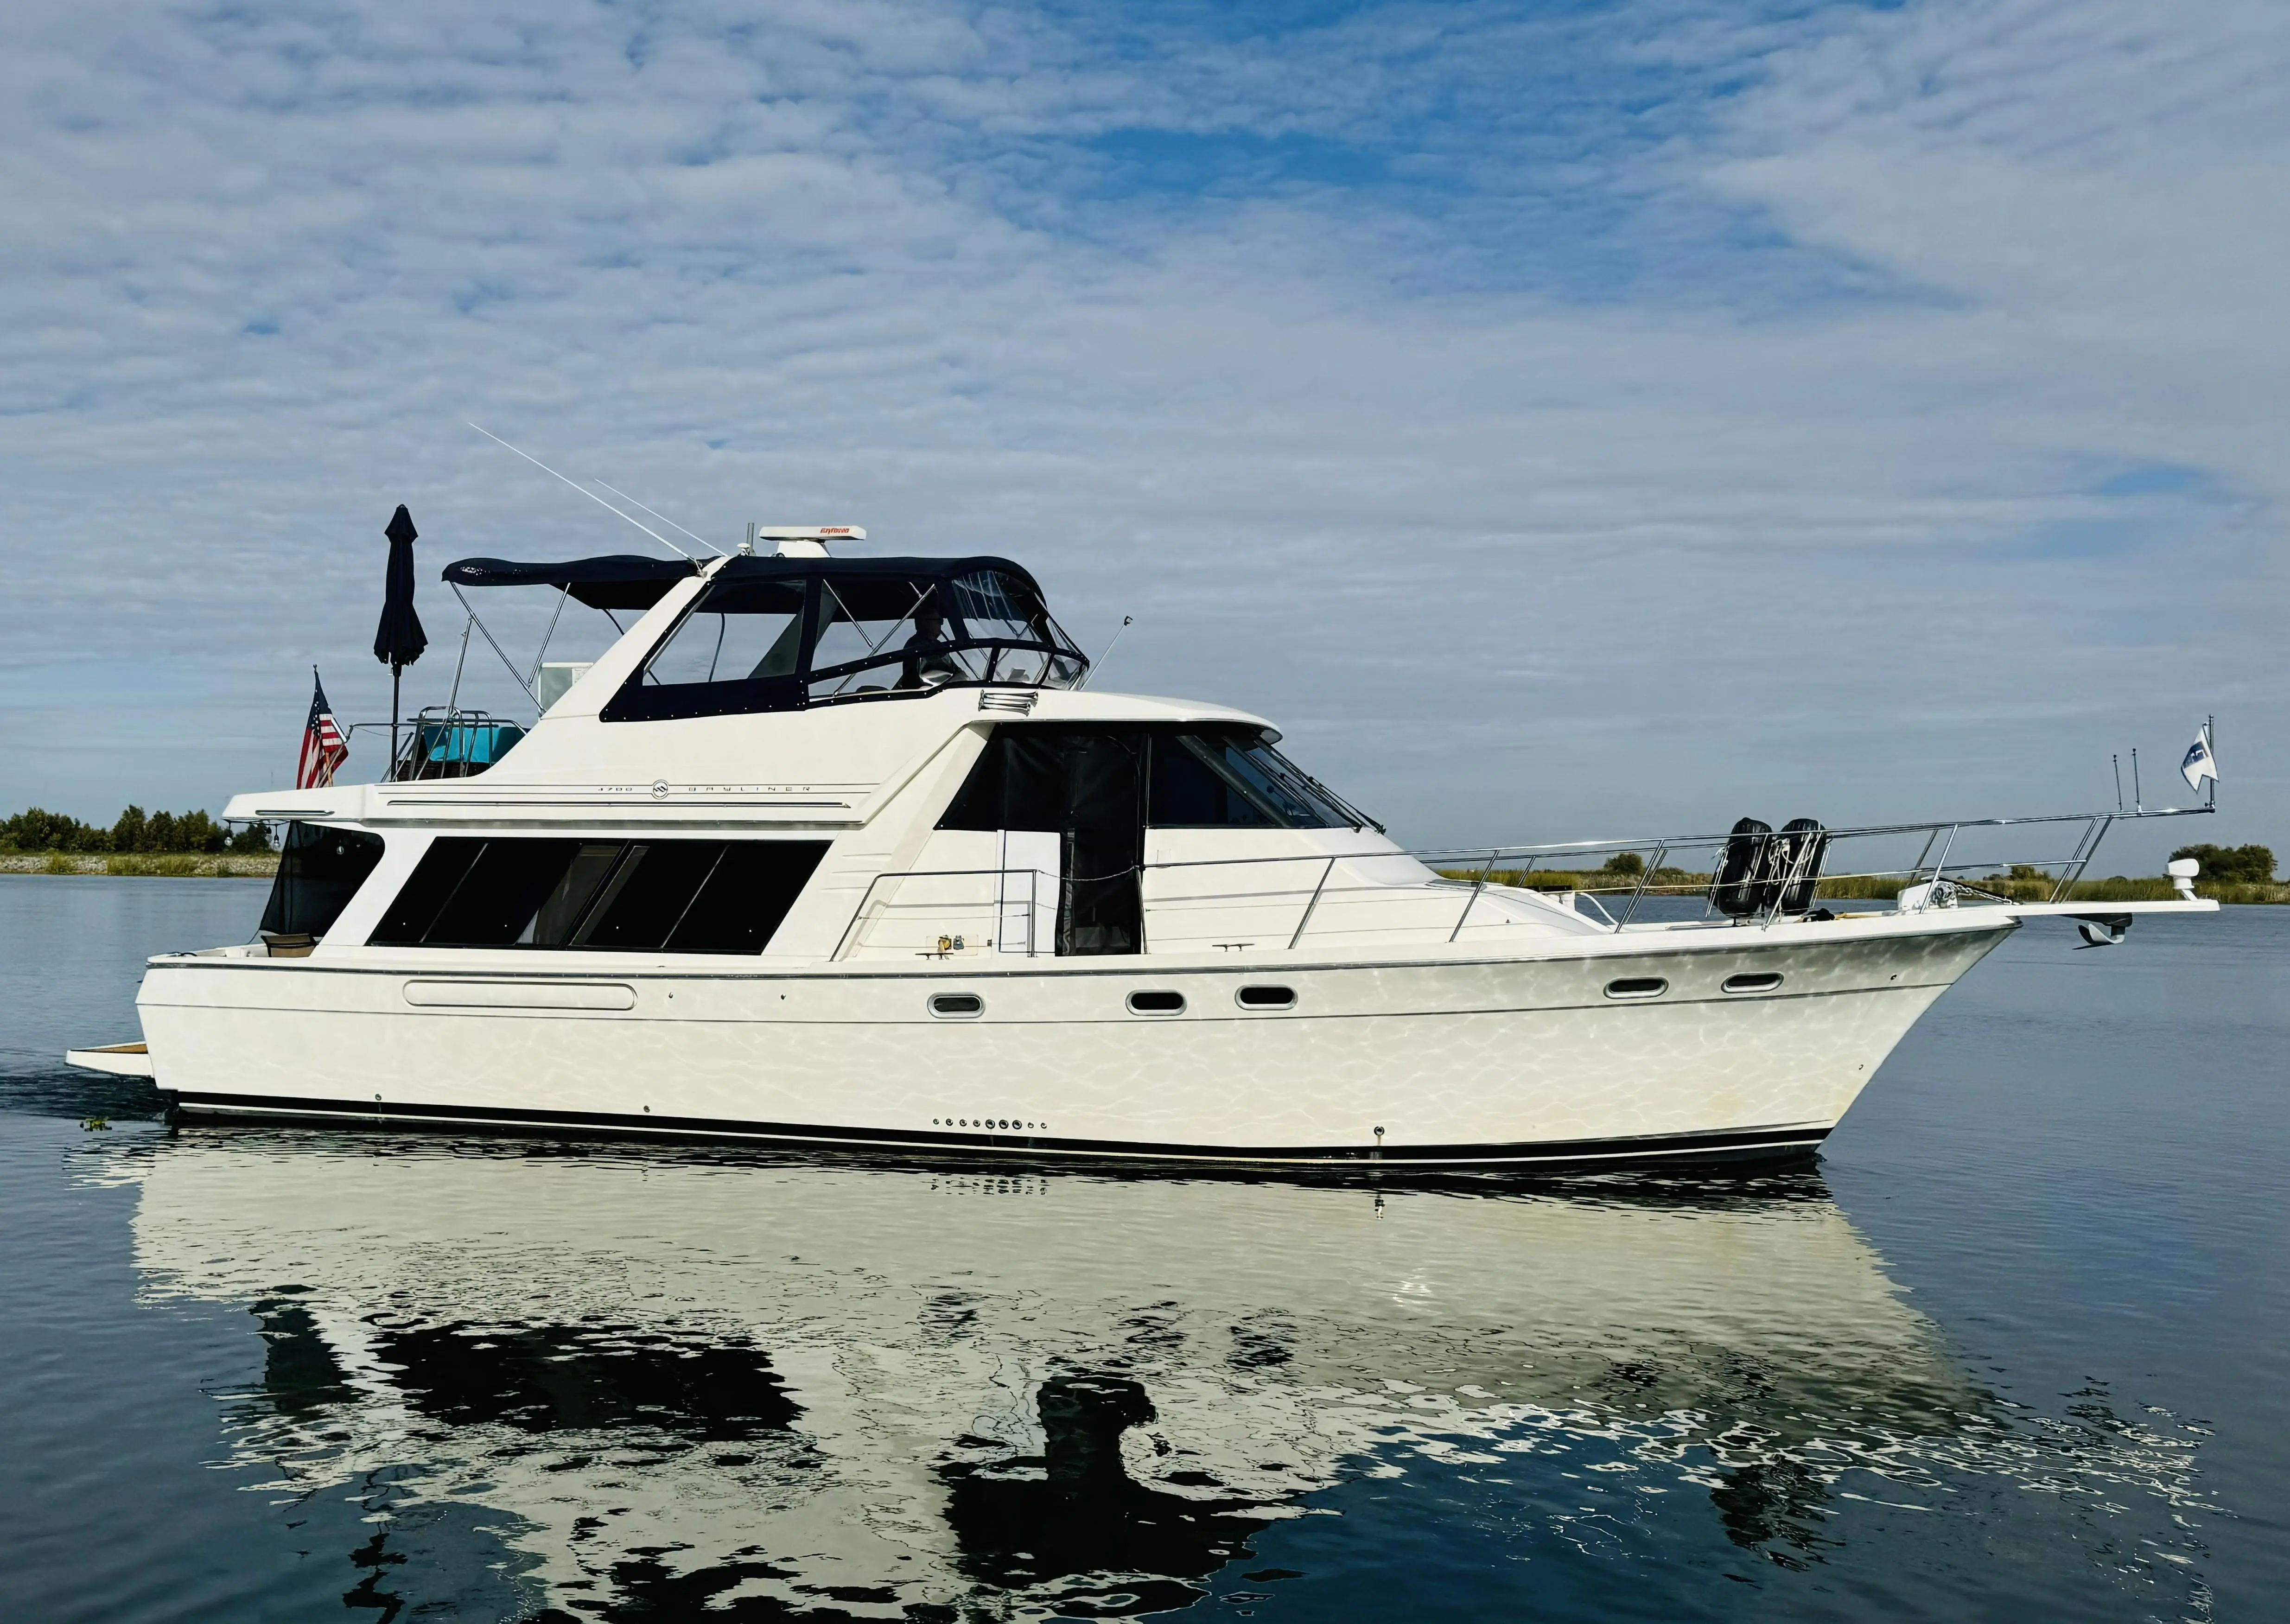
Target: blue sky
1562 418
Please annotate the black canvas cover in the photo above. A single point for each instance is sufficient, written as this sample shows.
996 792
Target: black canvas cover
618 580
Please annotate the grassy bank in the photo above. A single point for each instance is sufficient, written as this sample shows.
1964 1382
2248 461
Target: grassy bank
162 865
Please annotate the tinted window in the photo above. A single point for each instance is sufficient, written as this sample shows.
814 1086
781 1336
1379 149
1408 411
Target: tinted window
1189 793
647 895
677 896
742 903
500 892
1045 776
1267 779
319 870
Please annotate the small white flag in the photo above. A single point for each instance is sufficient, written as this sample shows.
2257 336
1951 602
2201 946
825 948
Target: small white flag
2198 764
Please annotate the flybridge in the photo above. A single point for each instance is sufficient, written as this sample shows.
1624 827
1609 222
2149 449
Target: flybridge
800 540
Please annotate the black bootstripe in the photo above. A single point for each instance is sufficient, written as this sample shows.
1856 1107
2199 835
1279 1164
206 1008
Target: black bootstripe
1673 1149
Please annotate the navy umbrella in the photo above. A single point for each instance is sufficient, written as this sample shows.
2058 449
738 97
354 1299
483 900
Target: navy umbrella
399 641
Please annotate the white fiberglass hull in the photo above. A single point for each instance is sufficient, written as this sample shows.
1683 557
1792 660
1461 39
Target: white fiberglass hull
1458 1060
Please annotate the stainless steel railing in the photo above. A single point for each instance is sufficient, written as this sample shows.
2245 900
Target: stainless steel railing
1934 864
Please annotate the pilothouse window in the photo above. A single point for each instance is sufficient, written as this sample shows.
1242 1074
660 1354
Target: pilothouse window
638 896
735 638
776 634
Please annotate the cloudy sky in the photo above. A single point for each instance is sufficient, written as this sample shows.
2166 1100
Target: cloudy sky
1562 418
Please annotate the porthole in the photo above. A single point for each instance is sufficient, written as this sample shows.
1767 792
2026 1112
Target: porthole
1757 981
956 1006
1157 1004
1637 986
1266 997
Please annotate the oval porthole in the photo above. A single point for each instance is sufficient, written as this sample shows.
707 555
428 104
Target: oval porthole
1266 997
1157 1004
1637 986
1762 980
956 1006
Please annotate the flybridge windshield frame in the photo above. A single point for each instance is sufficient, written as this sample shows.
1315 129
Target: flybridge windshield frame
867 628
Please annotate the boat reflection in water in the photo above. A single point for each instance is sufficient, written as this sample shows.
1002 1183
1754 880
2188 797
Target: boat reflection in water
670 1379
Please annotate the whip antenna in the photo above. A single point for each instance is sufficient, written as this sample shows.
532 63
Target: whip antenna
592 495
664 518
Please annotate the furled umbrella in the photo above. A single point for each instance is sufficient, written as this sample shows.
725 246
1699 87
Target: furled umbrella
399 641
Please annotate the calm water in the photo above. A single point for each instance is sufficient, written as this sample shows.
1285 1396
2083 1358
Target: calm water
2019 1348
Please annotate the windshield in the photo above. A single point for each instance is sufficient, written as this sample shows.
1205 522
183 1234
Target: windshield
748 644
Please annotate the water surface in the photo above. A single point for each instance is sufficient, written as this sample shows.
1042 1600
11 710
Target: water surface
2016 1347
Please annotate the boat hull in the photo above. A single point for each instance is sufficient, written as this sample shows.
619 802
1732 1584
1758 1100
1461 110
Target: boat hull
1520 1061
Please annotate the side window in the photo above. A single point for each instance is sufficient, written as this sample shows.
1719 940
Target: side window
319 870
645 896
739 650
1189 793
1232 779
875 635
717 644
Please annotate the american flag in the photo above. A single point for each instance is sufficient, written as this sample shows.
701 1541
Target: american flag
323 749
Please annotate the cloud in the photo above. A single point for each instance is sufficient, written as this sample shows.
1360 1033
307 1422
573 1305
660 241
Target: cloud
1558 419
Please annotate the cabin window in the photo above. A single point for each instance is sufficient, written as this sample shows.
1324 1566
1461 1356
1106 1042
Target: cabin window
1268 780
319 870
1196 778
1753 982
635 896
956 1006
1266 997
1637 986
1157 1004
1188 792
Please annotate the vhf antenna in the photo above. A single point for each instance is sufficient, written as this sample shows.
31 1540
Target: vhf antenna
1100 660
2117 760
664 518
592 495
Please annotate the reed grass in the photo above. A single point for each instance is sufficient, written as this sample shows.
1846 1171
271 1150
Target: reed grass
155 865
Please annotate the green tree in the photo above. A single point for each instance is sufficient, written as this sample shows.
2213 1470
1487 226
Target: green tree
127 833
1627 865
2250 864
254 837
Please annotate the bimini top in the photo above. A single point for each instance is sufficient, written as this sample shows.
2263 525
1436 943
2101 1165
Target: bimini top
781 634
622 580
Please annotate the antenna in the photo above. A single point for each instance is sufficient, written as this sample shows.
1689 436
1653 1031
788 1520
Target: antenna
1100 659
584 490
2117 760
664 519
2138 801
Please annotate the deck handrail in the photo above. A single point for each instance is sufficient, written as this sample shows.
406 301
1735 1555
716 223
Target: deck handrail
1927 868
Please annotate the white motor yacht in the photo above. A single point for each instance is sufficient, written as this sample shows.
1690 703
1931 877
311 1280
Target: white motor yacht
843 851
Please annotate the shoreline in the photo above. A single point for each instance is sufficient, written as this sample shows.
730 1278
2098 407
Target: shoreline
146 864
